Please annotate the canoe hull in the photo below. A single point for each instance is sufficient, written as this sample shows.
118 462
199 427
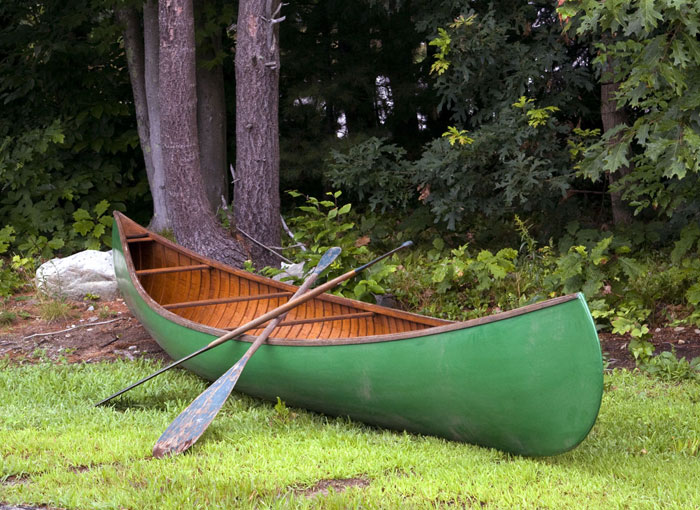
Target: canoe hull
529 384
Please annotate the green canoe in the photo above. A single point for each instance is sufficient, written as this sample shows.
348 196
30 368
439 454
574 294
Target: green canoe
528 381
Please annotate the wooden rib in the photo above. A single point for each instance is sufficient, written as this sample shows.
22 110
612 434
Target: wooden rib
219 301
257 302
220 310
211 292
343 317
316 308
172 269
248 308
298 313
326 329
140 235
306 311
239 313
195 285
160 259
134 240
354 326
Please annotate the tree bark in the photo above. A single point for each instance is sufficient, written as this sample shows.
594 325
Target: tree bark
194 224
135 56
211 118
161 217
139 54
612 116
256 189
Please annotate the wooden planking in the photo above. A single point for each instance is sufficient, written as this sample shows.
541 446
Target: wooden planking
211 292
222 298
159 280
342 317
224 290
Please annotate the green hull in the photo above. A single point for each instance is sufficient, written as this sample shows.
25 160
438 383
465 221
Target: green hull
529 384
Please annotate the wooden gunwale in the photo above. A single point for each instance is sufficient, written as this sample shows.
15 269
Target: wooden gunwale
440 326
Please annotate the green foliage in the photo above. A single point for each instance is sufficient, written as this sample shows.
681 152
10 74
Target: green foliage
7 236
627 294
7 317
375 172
459 136
689 238
17 274
655 56
535 116
282 413
67 135
98 229
517 163
514 158
668 367
442 42
326 223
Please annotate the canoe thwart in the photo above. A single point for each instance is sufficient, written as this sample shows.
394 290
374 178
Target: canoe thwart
172 269
220 301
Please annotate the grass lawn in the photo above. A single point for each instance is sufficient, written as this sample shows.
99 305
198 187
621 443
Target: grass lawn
58 450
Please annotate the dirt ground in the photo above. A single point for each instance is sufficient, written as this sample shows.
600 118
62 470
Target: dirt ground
104 331
99 331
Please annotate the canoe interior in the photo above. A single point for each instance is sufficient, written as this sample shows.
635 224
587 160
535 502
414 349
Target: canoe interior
208 293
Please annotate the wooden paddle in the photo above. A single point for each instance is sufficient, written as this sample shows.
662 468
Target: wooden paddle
262 319
191 423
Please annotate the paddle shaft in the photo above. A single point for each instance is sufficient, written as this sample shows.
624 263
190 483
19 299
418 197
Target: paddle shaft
191 423
273 324
292 303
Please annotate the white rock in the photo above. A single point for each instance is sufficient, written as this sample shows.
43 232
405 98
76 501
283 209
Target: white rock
86 272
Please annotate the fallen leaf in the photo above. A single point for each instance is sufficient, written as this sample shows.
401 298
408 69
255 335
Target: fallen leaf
362 241
424 190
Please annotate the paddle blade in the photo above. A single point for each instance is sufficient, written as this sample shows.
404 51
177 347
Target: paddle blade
184 431
327 259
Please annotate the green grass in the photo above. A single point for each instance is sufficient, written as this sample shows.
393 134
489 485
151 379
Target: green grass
7 317
55 309
58 450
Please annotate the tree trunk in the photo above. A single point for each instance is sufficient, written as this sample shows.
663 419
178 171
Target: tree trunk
137 62
194 224
612 116
161 217
139 53
211 117
256 188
